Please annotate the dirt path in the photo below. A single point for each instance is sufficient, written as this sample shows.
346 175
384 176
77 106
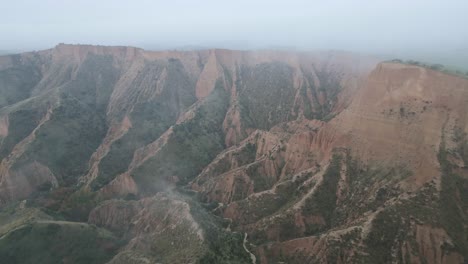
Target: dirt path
252 256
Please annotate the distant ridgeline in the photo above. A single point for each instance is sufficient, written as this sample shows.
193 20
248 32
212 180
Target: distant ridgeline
434 66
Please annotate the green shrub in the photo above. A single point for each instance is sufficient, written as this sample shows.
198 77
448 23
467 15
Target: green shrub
17 82
323 201
266 94
21 123
78 205
65 143
57 242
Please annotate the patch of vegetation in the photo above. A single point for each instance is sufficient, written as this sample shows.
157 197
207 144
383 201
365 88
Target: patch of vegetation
261 181
227 77
190 148
78 205
149 119
391 226
13 216
423 206
64 203
369 187
323 201
255 208
328 117
308 112
66 142
287 228
338 249
387 229
21 123
453 197
352 236
76 127
94 82
223 247
177 244
248 154
266 94
241 190
460 138
17 81
330 87
57 242
245 155
436 67
323 98
293 190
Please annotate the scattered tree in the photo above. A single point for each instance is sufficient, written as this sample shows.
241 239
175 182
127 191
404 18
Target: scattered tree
437 67
413 62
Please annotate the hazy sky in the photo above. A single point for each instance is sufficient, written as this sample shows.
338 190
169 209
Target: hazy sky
372 25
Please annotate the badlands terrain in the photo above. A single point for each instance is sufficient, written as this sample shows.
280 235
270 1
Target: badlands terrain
121 155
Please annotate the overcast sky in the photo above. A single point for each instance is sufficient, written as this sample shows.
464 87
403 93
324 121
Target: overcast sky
360 25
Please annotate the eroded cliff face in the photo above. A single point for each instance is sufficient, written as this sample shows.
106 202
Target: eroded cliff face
320 157
130 100
360 188
401 114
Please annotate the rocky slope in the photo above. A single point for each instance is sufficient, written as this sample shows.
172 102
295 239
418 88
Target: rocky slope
383 181
318 157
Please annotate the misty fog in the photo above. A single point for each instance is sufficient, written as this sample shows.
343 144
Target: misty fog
419 28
